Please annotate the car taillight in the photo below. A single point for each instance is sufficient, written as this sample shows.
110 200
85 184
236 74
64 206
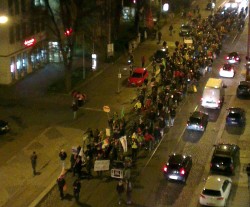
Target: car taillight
182 171
231 70
227 58
201 99
237 58
220 198
201 195
165 169
218 101
221 68
201 126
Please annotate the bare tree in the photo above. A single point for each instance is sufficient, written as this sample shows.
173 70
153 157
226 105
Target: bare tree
64 18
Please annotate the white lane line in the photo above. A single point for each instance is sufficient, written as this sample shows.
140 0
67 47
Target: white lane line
92 109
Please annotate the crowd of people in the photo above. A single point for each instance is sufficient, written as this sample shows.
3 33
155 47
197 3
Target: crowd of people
157 100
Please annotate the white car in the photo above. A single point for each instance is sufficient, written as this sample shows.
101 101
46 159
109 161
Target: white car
227 71
216 191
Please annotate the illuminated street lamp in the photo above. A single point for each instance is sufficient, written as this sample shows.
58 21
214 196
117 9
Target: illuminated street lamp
3 19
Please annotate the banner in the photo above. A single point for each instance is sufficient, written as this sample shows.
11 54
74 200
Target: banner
124 143
101 165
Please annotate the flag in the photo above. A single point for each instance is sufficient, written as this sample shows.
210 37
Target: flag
124 143
122 112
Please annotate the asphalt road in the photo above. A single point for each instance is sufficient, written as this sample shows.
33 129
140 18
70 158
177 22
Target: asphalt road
29 117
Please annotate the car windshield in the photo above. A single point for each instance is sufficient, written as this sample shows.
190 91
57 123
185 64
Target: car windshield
243 87
234 115
137 75
174 166
223 160
211 192
227 67
195 120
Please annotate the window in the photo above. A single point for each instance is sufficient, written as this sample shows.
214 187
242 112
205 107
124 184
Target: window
23 6
11 35
11 7
224 186
16 7
18 33
23 30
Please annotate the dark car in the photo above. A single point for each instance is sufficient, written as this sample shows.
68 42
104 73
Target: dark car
210 6
225 158
138 76
160 55
243 89
233 57
236 117
178 167
185 30
4 127
197 121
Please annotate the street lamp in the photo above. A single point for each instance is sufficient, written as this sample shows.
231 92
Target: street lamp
3 19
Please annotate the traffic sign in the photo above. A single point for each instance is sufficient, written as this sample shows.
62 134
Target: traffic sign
106 109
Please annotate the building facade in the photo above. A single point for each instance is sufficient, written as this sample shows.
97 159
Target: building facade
24 46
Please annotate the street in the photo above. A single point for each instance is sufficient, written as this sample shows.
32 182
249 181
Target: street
30 118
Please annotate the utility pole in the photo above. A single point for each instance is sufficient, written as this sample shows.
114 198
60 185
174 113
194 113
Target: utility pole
83 59
248 40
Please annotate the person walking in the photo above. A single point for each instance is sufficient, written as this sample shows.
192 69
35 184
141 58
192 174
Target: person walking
61 185
134 146
63 156
172 116
33 159
128 188
74 109
120 190
171 29
76 188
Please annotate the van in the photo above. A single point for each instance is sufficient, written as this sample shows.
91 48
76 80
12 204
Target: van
213 94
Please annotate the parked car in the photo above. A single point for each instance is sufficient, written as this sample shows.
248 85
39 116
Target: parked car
4 127
216 191
160 55
233 57
178 167
185 30
225 158
197 121
227 71
243 89
236 117
210 6
138 76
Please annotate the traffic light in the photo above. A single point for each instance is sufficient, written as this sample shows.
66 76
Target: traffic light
68 32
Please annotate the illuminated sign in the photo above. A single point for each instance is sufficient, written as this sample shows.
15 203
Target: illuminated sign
29 42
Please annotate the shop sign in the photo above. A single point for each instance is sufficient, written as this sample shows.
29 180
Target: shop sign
29 42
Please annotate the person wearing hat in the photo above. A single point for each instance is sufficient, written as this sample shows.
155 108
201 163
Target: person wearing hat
134 146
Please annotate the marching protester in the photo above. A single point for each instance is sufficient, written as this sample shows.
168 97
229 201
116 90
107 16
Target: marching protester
61 185
33 159
76 189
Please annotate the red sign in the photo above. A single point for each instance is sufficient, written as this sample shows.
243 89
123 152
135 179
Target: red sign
29 42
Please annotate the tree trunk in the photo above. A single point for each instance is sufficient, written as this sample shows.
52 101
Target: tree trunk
68 73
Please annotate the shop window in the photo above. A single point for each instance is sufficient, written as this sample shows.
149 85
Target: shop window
12 67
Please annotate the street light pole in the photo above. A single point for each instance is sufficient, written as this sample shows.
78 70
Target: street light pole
248 40
83 58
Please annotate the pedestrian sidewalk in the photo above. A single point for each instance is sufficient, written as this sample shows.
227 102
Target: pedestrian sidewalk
18 185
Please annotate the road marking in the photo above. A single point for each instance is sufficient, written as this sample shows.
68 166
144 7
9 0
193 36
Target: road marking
93 109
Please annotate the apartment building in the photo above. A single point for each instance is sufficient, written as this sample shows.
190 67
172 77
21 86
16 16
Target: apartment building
24 46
